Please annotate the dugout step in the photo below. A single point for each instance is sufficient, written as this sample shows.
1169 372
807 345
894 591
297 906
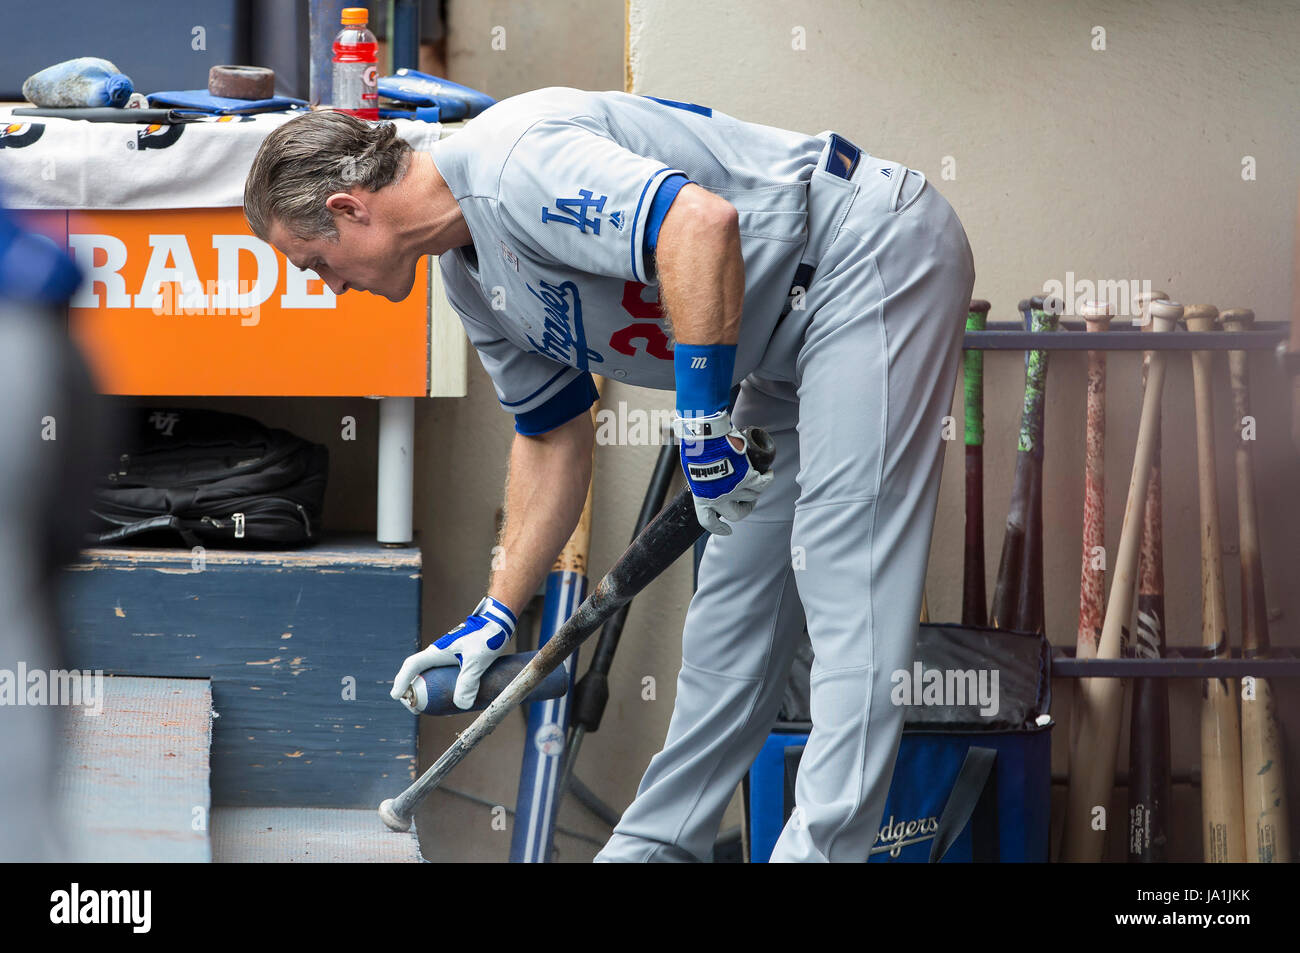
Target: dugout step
300 647
271 835
133 781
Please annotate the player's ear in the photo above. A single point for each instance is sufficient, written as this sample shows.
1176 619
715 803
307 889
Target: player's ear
348 206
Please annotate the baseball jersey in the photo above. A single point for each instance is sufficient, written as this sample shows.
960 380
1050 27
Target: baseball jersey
563 191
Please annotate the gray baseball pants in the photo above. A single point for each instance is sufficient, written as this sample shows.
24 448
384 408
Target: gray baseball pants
855 387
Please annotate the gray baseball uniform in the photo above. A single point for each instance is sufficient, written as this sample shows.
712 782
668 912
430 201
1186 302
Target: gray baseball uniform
852 373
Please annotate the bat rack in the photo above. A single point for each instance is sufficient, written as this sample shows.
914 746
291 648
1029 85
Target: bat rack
1011 336
1283 662
1178 662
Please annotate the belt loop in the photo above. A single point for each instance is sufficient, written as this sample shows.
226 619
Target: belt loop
900 172
898 188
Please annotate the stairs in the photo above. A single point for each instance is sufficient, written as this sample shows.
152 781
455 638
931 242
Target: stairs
133 782
245 713
134 786
307 835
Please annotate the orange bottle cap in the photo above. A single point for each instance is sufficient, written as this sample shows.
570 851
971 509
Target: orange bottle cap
356 14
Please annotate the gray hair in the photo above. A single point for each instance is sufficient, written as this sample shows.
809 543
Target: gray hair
306 160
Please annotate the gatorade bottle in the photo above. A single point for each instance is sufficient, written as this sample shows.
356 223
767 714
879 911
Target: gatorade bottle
355 72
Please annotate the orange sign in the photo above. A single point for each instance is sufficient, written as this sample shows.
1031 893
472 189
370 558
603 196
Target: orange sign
188 302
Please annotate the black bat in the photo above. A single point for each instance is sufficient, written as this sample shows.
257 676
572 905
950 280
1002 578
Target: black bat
1018 590
1149 793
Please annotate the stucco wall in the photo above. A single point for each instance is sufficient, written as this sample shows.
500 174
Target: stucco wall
1122 163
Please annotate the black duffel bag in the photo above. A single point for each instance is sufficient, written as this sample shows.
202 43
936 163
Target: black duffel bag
211 478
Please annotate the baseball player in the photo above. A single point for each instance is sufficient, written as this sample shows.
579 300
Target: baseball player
830 284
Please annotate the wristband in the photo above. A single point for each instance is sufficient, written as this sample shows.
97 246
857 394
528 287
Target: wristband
702 428
497 612
703 374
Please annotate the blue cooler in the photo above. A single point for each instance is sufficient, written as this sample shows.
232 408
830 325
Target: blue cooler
972 781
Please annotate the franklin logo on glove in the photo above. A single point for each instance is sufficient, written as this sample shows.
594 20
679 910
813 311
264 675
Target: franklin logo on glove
722 481
712 471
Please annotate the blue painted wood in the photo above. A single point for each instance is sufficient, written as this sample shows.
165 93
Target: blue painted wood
301 648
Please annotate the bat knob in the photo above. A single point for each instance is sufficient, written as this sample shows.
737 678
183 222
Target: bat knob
390 817
762 448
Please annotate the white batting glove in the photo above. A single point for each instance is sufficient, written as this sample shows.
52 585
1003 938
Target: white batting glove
722 481
474 645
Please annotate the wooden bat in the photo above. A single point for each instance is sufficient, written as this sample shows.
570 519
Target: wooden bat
1030 614
1018 591
1006 583
1222 813
1263 768
655 548
1092 578
1149 789
1293 346
974 602
1100 701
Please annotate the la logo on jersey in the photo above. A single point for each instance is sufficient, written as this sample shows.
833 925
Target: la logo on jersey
574 212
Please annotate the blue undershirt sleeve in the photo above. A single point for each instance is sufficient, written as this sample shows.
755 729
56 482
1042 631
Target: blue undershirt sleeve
663 200
575 398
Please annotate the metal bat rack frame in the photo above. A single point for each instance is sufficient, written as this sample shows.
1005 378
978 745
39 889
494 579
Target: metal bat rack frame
1178 662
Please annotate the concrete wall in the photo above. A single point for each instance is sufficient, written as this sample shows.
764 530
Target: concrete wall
1117 163
1123 163
462 448
545 44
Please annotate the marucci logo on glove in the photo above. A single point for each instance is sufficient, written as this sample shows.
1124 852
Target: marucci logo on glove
717 470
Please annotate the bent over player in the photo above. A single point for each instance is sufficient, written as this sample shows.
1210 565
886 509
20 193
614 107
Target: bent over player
831 285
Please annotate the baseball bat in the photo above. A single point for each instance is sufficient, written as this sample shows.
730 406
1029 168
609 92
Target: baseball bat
1007 580
672 533
1149 790
1092 579
1018 591
1099 701
1092 575
1263 768
974 601
1222 811
591 693
433 689
1293 344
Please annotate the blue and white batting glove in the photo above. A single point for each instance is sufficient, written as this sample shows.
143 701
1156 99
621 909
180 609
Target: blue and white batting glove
721 479
474 645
